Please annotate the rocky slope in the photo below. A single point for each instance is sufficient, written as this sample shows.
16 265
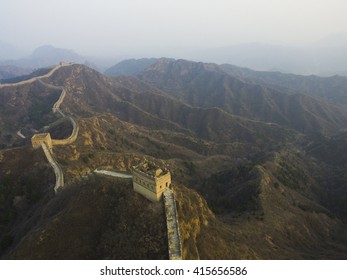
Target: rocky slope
26 108
88 221
130 67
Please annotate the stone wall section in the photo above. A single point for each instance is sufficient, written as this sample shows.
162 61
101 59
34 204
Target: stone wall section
57 104
50 73
59 175
173 235
44 139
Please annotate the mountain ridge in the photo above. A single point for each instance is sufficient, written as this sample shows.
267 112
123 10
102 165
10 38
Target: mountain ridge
234 96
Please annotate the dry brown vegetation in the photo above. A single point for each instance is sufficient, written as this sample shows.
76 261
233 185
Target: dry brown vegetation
98 218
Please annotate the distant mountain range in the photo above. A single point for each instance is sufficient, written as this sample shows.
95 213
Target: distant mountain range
130 66
332 89
7 51
323 58
207 85
10 71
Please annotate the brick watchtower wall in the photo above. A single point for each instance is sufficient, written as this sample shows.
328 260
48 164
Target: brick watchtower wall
150 181
40 138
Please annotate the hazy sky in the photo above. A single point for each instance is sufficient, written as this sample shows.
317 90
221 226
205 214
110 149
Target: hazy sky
115 27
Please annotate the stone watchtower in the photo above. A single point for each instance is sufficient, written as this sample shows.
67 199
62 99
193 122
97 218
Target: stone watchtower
150 180
39 138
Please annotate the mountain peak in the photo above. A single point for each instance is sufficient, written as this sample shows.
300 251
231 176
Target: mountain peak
130 66
181 67
49 51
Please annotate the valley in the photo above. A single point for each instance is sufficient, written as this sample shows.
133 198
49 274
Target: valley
258 171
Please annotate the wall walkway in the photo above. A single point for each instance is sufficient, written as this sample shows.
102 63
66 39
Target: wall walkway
112 173
75 129
175 251
59 175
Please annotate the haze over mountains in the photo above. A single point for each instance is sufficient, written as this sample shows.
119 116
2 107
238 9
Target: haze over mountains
7 51
257 159
323 58
45 56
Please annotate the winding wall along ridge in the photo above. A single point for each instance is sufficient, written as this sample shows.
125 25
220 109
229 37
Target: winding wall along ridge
56 109
50 73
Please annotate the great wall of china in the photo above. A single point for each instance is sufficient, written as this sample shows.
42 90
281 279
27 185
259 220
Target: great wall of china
59 175
49 74
48 149
44 140
173 232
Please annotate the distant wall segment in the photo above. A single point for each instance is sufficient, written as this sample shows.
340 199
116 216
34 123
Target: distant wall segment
44 140
49 74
